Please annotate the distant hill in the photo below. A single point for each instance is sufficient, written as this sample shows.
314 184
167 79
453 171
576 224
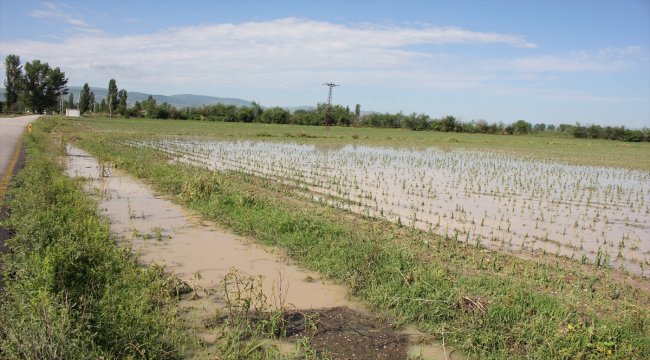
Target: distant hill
177 101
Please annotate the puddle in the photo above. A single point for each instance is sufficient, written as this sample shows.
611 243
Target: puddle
199 252
591 214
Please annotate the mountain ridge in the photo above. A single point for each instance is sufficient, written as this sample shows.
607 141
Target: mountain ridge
177 101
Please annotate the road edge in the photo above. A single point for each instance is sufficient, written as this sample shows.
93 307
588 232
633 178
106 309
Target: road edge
6 177
17 162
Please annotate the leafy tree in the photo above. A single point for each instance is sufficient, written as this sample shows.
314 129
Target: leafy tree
111 97
357 111
257 109
69 104
84 99
308 117
44 86
92 100
137 109
121 102
539 127
522 127
149 107
275 115
13 82
103 107
448 123
246 114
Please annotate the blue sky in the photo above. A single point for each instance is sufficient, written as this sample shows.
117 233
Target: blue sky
543 61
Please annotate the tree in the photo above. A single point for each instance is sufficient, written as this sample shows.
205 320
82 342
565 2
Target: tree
275 115
149 107
539 127
13 82
103 107
448 123
92 101
111 97
246 114
84 99
257 109
44 86
522 127
69 104
121 102
357 111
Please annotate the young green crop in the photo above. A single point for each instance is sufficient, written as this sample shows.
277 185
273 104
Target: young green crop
488 304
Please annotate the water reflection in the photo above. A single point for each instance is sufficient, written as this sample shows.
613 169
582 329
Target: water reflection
592 214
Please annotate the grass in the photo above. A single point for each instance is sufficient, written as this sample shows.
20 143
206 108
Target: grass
70 291
490 305
545 147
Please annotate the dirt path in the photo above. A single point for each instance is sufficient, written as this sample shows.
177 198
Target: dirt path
202 254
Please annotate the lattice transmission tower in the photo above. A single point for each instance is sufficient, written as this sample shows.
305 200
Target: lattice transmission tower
328 111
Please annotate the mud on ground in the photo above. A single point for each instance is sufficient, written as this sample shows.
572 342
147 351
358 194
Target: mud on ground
343 333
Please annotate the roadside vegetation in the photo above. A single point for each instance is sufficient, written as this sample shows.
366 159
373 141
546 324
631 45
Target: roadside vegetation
488 304
70 291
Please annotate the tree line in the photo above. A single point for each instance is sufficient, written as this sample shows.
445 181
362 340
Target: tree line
343 116
42 87
38 89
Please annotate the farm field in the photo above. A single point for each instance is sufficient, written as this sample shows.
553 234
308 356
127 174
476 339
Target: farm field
500 246
566 150
518 203
594 214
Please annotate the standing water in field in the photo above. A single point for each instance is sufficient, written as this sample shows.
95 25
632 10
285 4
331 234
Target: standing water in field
592 214
203 255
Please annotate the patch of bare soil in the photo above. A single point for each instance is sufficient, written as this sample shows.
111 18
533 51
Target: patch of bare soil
343 333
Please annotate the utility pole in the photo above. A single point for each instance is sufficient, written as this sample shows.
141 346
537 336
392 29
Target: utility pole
328 112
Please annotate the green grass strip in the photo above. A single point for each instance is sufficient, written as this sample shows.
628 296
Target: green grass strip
70 291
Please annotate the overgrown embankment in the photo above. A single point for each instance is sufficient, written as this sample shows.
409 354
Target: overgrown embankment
70 291
489 304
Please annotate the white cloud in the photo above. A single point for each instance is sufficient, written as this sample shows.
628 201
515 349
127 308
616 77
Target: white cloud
607 59
284 52
52 11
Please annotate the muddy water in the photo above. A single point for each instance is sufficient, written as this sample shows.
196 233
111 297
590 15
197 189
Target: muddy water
202 254
165 233
508 203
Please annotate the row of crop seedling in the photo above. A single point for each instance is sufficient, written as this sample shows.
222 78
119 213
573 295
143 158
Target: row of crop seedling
463 190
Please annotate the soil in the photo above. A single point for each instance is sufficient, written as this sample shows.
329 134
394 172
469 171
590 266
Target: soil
343 333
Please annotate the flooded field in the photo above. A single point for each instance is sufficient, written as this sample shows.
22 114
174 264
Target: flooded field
208 258
591 214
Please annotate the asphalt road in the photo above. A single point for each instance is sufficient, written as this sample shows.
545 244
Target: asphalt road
10 130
